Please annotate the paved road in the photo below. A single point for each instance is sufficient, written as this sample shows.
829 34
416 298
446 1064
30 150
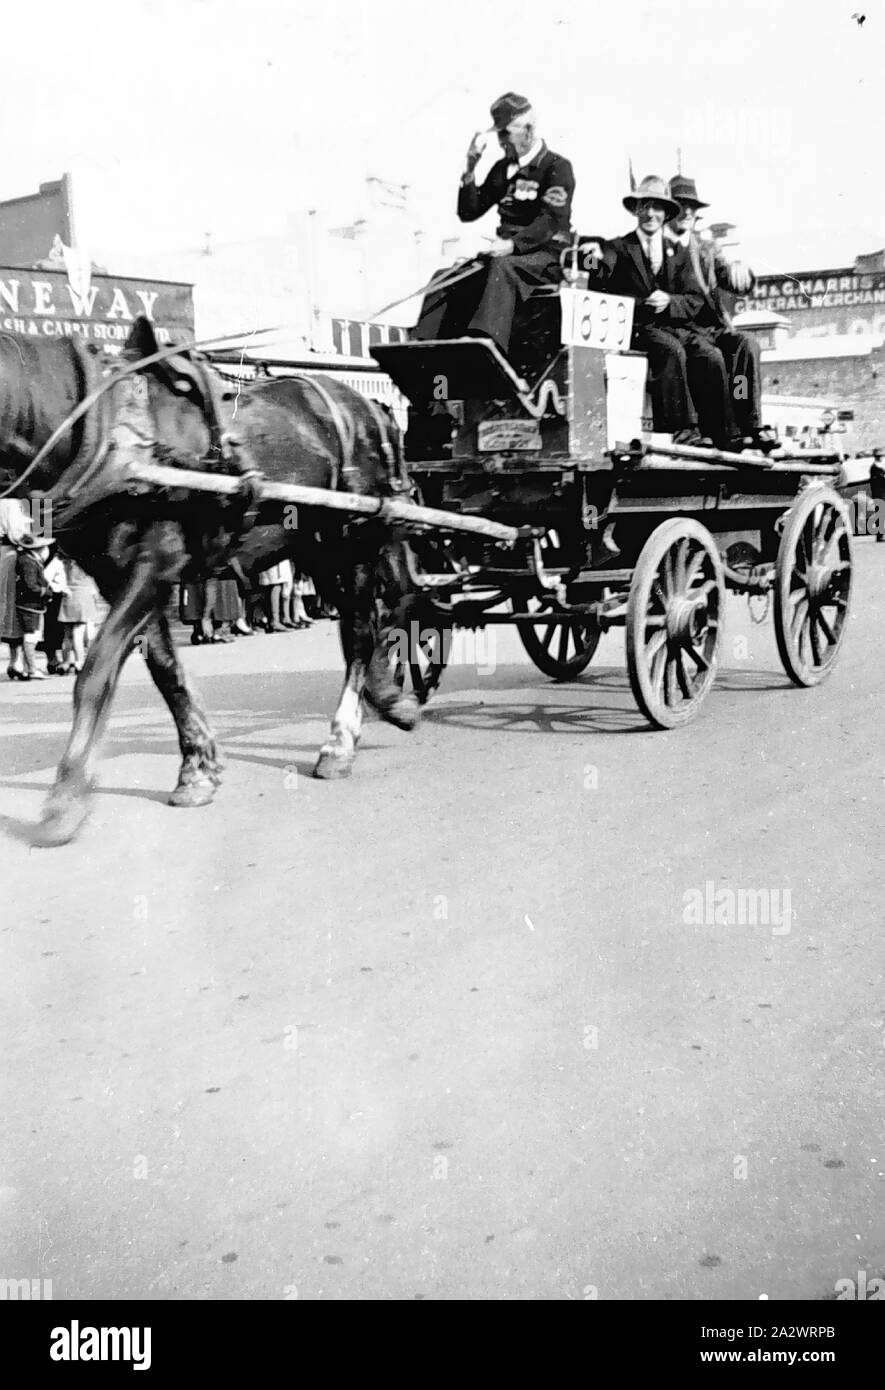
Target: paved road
464 1026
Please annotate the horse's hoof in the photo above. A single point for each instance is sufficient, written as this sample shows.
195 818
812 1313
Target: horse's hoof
59 825
330 766
403 712
193 794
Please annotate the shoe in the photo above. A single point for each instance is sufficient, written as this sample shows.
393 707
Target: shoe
291 625
197 639
303 623
274 627
36 676
15 675
765 438
692 439
243 629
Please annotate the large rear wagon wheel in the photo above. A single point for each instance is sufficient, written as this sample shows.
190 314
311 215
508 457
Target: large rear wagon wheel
812 585
675 616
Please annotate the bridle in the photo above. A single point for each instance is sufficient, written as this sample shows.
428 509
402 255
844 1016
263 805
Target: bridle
225 447
107 384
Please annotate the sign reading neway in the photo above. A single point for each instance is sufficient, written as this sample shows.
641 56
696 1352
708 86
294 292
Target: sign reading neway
46 304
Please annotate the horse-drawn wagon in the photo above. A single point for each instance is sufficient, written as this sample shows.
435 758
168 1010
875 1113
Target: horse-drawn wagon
551 505
613 525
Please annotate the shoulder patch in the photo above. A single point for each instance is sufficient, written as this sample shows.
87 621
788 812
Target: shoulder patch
556 196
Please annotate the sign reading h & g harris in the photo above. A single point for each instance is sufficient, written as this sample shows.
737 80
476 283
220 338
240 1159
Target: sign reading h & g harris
98 309
849 300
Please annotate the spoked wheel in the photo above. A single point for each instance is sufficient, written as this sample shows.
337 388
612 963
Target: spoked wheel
427 660
561 650
812 585
675 615
419 647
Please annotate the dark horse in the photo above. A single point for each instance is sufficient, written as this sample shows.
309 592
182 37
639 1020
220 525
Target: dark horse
135 542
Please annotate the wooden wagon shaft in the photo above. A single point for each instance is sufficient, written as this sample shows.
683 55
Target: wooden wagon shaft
387 508
667 463
744 460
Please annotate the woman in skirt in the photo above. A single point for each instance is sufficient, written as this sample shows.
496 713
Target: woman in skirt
274 582
15 523
77 613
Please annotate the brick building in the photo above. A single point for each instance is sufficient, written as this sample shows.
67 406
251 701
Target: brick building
846 369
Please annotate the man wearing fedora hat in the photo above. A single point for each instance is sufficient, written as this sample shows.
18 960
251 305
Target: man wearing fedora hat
723 364
532 188
659 276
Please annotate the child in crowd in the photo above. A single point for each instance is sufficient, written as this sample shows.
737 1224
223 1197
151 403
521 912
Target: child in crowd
31 592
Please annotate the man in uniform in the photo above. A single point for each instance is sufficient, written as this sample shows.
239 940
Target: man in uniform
723 364
532 188
659 276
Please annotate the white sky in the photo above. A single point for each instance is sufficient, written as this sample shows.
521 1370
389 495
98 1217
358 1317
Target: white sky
178 117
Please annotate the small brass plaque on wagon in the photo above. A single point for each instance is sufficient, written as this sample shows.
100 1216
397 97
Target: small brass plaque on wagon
501 436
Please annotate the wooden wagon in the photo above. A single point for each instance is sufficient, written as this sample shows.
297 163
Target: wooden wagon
611 524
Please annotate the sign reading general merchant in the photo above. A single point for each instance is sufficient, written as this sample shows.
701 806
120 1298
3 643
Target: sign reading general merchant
96 308
849 300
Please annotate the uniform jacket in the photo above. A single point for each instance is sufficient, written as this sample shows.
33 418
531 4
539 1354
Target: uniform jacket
626 271
534 203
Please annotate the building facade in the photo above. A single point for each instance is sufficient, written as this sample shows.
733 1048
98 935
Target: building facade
822 334
825 303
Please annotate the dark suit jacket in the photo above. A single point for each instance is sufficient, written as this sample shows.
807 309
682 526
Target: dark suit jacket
712 270
625 270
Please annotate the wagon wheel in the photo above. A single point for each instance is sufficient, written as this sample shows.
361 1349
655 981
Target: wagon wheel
419 646
427 659
561 650
675 615
812 585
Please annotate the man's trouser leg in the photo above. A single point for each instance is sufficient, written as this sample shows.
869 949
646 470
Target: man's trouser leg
741 353
446 313
709 385
509 281
493 316
672 409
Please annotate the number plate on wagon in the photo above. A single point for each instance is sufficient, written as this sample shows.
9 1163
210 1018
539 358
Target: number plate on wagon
504 436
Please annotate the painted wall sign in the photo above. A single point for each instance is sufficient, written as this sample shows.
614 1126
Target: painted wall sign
95 308
822 302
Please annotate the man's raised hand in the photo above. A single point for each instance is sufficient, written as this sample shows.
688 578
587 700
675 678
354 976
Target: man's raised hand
740 277
477 145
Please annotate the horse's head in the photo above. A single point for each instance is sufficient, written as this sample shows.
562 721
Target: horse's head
168 405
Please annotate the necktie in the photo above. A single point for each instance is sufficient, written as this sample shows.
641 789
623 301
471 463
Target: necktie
652 251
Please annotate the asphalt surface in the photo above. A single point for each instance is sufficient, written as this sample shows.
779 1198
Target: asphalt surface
456 1028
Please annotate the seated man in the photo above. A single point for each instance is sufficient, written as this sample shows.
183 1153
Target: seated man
723 364
659 276
532 188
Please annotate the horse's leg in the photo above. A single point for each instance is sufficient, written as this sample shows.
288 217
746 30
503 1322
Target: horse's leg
66 806
393 591
357 640
201 764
